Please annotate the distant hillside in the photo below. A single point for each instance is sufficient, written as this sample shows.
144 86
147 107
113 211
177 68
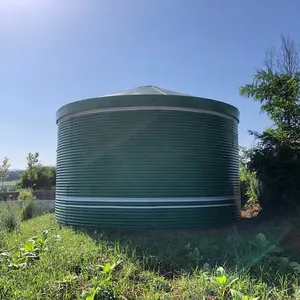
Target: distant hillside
14 175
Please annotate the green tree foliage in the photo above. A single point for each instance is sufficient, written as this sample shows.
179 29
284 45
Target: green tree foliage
275 158
249 184
278 95
14 175
4 171
37 176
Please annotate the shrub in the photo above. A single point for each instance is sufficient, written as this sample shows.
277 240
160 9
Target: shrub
9 216
277 167
28 209
249 186
25 194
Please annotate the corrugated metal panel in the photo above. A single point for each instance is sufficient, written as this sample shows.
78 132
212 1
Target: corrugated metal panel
116 168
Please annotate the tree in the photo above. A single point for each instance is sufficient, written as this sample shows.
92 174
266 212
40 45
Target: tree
46 177
276 155
37 176
30 174
279 96
4 171
285 59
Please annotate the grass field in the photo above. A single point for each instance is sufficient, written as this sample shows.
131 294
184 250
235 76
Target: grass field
9 186
14 182
251 260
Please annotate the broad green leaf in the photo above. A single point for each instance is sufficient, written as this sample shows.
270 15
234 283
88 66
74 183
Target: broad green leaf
221 279
107 268
261 240
294 264
29 246
187 247
283 261
196 253
40 240
276 249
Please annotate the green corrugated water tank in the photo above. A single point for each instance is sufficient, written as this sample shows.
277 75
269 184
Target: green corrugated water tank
147 157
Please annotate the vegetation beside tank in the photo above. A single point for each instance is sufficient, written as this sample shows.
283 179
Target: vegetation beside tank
37 179
272 164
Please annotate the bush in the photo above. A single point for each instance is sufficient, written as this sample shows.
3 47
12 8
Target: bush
28 209
9 216
249 186
36 175
277 167
25 194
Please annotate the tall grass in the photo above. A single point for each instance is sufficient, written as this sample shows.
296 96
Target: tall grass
28 209
9 216
65 263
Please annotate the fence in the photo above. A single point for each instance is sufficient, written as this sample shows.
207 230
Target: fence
40 195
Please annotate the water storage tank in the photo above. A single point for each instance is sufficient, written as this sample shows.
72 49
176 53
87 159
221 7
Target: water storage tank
147 157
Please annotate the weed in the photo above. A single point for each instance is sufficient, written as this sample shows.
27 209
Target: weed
9 216
26 254
28 209
236 295
103 287
25 194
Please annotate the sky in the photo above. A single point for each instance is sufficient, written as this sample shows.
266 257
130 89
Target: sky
53 52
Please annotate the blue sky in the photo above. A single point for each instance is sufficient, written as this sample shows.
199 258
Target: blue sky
54 52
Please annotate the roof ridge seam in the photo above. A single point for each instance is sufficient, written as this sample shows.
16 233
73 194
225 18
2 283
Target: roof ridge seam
155 88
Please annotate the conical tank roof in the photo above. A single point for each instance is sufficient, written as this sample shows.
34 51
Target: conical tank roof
148 95
146 90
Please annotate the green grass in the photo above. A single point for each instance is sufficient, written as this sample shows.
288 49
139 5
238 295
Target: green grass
10 183
10 186
13 182
64 263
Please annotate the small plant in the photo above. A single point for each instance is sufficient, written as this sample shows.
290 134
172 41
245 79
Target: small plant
28 209
194 254
236 295
284 262
262 248
103 288
249 254
26 254
223 281
9 216
25 194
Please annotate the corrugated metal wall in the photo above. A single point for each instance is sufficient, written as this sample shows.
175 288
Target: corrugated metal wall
147 168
